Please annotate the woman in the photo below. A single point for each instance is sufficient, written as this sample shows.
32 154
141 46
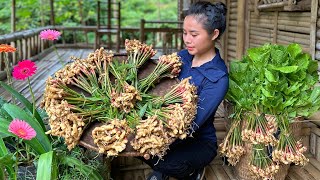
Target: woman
186 159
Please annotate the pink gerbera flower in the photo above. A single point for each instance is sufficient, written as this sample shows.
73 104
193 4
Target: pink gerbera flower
50 34
24 69
22 129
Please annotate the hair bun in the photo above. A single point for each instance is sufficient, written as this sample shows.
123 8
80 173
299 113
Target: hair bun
221 7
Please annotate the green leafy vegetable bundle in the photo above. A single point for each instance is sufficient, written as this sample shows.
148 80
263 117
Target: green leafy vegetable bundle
269 88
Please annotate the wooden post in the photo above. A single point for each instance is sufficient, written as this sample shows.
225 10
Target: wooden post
109 24
13 16
142 22
240 28
52 13
118 27
313 27
98 15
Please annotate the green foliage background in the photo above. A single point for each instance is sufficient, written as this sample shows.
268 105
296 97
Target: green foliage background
36 13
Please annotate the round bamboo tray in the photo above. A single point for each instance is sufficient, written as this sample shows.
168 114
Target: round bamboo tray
160 89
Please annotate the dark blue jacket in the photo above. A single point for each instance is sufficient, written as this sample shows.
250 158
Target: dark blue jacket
212 82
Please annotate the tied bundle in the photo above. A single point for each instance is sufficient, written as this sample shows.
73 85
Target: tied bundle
112 91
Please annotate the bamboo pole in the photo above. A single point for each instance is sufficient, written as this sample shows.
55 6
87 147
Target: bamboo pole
268 34
247 27
226 35
260 30
233 4
295 23
241 28
232 35
260 38
275 28
305 48
262 21
305 30
272 5
261 25
300 41
294 35
232 42
313 27
13 16
233 22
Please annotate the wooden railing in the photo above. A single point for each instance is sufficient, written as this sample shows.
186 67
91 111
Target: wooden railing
30 46
170 37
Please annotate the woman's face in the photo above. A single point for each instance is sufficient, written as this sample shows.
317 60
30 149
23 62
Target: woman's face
195 37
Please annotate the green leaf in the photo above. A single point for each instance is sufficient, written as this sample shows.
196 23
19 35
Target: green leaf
9 165
24 101
143 110
83 168
270 77
3 148
41 143
294 49
7 160
286 69
4 125
266 93
47 166
315 94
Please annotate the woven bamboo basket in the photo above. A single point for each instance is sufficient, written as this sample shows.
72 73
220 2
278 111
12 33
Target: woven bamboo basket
242 168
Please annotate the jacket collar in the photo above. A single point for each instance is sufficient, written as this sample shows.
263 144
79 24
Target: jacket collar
212 70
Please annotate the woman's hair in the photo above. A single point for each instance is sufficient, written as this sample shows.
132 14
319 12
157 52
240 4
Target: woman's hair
212 16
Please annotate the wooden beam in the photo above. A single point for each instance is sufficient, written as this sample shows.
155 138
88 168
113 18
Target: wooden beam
52 13
13 16
313 27
241 11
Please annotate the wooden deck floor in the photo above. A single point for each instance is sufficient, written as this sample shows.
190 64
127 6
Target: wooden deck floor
47 66
215 171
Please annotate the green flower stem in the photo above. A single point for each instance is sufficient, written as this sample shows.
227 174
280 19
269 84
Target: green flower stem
33 99
107 83
59 57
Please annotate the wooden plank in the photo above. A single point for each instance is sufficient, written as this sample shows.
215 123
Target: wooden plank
315 163
302 172
210 173
313 143
317 148
219 172
292 175
229 171
313 27
314 172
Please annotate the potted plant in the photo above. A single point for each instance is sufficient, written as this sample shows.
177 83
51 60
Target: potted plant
24 144
270 89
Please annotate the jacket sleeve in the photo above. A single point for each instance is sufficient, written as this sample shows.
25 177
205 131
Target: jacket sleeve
209 99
